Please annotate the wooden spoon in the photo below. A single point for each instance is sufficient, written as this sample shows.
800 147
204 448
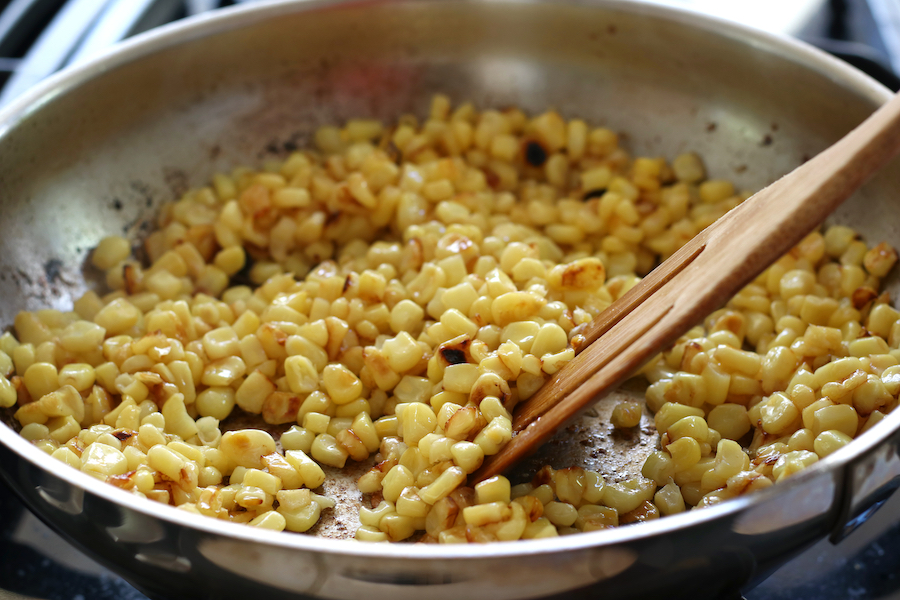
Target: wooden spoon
699 278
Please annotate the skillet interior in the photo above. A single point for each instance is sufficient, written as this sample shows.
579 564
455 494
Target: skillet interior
98 155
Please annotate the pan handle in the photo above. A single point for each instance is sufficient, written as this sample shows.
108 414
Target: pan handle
868 482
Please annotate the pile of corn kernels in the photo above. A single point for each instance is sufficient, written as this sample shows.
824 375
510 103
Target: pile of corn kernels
405 288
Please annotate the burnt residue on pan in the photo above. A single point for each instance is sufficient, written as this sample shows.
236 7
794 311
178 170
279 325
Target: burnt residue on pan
591 442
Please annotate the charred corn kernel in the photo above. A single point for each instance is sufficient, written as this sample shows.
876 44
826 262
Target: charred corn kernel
802 439
78 375
209 476
349 441
495 435
413 389
30 413
570 485
881 320
730 420
166 461
40 379
880 259
63 429
628 495
402 352
100 459
486 514
64 402
294 499
560 514
327 451
398 527
467 455
442 516
215 402
549 340
834 371
694 427
551 363
792 462
688 168
541 528
66 455
279 467
177 420
387 426
398 478
109 440
312 474
372 517
830 441
260 479
8 394
370 534
712 191
341 385
730 459
406 316
593 518
839 417
270 520
246 447
300 519
669 413
418 420
364 429
626 414
302 376
220 343
81 336
117 317
493 489
224 372
231 259
668 499
778 413
110 251
685 453
409 504
659 467
35 431
253 392
460 377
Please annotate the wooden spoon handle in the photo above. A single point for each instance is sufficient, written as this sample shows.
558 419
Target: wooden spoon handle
701 277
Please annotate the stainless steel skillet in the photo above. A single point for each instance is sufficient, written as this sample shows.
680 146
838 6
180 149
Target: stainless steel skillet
95 150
